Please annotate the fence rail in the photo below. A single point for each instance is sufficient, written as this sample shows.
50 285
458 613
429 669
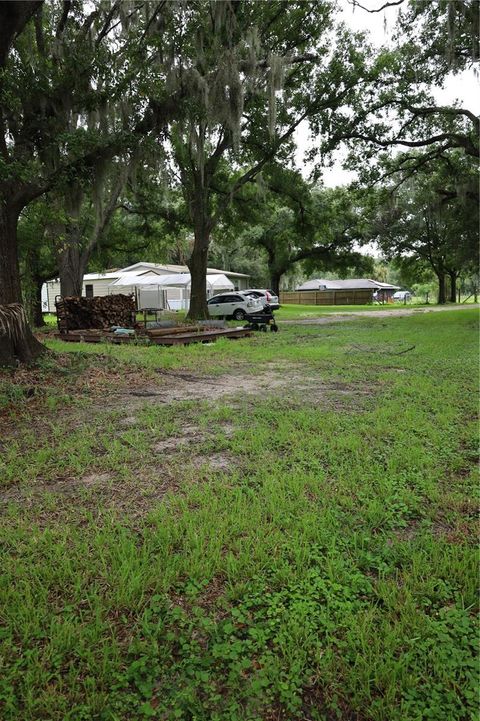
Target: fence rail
326 297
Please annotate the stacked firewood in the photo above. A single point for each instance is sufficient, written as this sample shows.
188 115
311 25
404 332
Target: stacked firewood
74 313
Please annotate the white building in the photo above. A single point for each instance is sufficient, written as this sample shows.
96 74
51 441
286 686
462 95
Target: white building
95 284
320 284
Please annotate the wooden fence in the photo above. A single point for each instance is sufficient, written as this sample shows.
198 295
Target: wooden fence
326 297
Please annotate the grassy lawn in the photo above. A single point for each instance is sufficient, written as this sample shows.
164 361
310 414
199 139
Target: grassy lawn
281 527
294 311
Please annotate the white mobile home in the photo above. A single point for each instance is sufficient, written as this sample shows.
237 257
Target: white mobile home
95 284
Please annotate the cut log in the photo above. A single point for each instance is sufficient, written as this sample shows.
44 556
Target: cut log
202 336
156 332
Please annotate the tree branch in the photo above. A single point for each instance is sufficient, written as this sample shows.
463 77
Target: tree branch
63 18
104 218
444 109
222 145
37 21
106 25
14 15
152 20
355 4
456 141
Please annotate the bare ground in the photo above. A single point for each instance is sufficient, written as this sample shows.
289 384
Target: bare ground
180 457
289 381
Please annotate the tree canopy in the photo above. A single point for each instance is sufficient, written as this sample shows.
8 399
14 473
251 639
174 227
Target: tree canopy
175 124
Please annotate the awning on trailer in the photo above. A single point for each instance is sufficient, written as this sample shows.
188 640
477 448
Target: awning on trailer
215 281
138 279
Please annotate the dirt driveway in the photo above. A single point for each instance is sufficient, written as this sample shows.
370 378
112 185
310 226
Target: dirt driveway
347 315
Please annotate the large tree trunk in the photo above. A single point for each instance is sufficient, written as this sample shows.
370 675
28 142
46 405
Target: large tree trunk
33 301
197 264
442 287
72 263
10 290
17 342
32 288
36 304
453 286
75 251
275 277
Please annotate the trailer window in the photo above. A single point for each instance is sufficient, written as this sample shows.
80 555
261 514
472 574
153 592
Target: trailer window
89 291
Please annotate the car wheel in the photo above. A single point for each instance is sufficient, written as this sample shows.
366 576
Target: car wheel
239 314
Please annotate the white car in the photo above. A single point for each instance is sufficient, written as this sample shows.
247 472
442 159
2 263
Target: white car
266 296
237 304
402 295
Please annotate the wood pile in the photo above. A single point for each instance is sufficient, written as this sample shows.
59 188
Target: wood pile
75 313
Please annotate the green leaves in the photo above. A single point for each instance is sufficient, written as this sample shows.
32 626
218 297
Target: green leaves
256 652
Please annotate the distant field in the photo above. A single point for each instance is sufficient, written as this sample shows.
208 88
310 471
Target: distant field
281 527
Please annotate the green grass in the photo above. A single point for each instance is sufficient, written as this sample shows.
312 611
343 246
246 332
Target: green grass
329 572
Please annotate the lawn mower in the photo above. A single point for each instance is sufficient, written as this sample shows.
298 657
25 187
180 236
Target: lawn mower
262 321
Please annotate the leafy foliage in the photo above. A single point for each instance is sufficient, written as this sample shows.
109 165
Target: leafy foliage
434 218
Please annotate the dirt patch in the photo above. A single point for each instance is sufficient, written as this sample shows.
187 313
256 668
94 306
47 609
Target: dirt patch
183 457
95 479
170 445
387 313
134 497
220 462
70 485
296 381
128 421
64 386
228 429
176 388
214 461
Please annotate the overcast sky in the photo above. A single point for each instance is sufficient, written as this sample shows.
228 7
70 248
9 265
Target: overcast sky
464 86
